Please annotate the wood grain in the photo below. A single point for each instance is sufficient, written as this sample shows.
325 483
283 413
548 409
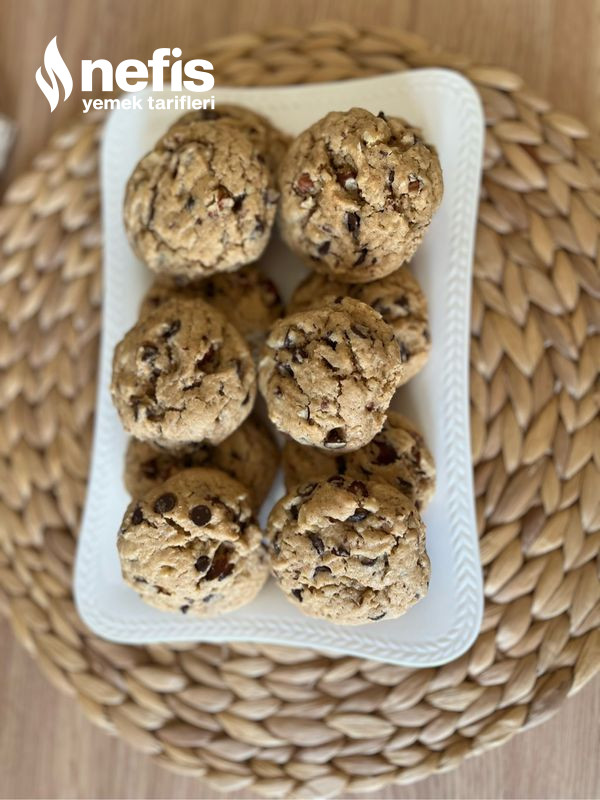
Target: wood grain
47 748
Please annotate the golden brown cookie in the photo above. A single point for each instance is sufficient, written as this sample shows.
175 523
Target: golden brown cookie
249 455
348 551
397 297
183 374
328 375
192 545
357 194
202 201
397 455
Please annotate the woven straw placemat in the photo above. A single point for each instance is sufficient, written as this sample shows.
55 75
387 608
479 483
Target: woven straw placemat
294 722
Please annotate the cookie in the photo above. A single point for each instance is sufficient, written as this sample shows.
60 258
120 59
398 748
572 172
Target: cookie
183 374
249 455
397 297
248 299
191 545
348 551
397 455
272 142
328 375
357 194
202 201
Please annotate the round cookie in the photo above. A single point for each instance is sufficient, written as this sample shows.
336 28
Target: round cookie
397 455
348 551
183 374
249 455
192 545
357 194
397 297
248 299
203 201
328 375
270 140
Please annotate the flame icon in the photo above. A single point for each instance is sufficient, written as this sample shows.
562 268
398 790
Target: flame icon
55 66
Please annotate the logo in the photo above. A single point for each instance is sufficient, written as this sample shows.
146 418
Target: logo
130 76
56 68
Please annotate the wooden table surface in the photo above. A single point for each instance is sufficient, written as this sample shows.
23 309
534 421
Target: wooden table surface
47 747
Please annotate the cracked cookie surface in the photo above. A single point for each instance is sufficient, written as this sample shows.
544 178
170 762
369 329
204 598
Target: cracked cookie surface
192 545
249 455
272 142
183 374
357 194
248 299
396 455
202 201
348 551
397 297
328 374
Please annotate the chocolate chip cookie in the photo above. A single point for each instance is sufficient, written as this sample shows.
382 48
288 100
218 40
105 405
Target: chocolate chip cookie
348 551
328 375
271 142
249 455
183 374
397 455
397 297
202 201
357 194
191 545
248 299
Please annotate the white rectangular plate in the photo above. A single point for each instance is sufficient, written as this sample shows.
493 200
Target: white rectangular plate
445 623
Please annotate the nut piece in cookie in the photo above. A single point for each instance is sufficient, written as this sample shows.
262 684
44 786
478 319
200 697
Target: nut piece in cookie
249 455
357 194
203 201
397 297
397 455
328 375
191 545
348 551
183 374
248 299
269 140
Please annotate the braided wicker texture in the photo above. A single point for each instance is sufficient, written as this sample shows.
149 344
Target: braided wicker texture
294 722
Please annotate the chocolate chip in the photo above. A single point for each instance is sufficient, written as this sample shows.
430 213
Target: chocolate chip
367 562
414 184
202 563
379 616
336 480
391 176
323 248
138 516
166 502
139 579
405 486
341 551
221 567
293 511
149 351
330 342
402 301
285 369
321 569
305 184
341 464
358 516
207 358
317 543
353 223
360 331
190 203
184 609
237 203
335 437
360 260
171 329
358 487
381 115
200 515
386 453
297 594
